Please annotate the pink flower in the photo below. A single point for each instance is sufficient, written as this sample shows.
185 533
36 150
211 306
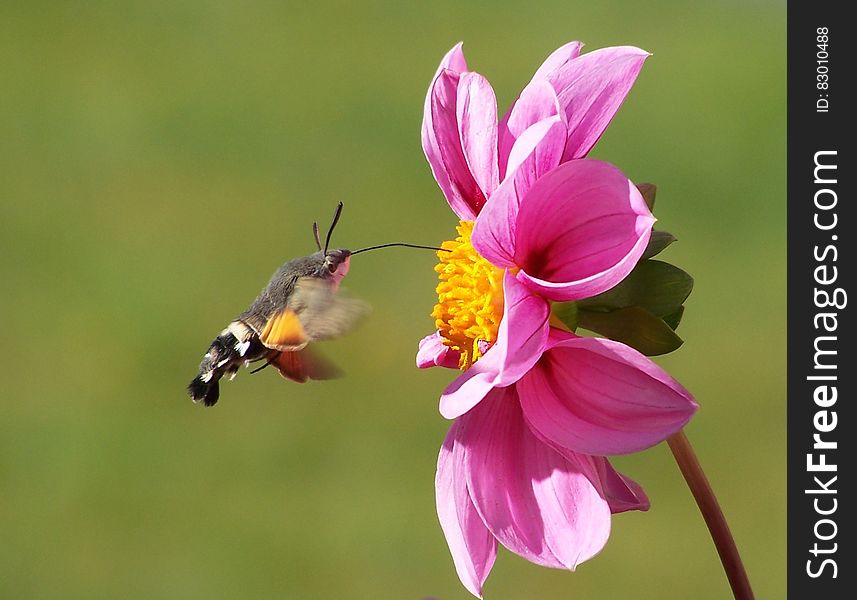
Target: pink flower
573 95
537 408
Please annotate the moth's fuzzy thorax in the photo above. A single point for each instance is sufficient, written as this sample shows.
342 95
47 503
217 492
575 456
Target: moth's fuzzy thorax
331 266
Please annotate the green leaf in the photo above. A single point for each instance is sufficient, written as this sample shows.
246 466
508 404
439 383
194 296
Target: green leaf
635 327
673 319
657 243
659 287
648 191
567 313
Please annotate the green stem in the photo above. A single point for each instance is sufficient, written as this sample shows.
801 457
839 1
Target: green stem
712 514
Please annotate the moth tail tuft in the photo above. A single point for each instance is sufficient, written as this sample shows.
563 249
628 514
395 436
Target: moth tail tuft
208 392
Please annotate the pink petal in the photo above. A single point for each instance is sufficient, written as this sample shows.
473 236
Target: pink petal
536 151
536 502
622 492
434 353
537 102
597 396
520 341
591 89
581 230
557 59
472 546
442 146
453 60
477 126
493 235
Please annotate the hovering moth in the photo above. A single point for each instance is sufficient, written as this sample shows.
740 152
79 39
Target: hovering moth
301 304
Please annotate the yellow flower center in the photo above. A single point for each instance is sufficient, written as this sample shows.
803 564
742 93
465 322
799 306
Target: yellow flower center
469 297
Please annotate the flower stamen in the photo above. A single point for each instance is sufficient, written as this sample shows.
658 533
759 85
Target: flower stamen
469 297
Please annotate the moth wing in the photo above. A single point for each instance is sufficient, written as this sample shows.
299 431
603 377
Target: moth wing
284 331
302 365
324 313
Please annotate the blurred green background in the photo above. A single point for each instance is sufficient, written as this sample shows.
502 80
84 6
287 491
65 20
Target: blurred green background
159 159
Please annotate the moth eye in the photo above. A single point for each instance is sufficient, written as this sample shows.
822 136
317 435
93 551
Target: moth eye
331 267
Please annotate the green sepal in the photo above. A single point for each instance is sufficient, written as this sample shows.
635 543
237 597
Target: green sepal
648 192
635 327
566 312
658 242
673 319
659 287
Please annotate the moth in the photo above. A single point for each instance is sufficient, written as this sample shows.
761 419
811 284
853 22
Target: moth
301 304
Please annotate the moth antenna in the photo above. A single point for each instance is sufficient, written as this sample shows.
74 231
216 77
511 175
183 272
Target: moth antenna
336 216
403 245
316 235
